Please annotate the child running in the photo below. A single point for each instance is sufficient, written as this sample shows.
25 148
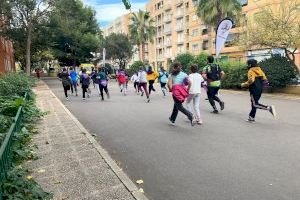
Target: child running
85 82
74 80
142 77
103 82
177 85
66 81
122 81
135 80
193 101
255 82
163 79
151 76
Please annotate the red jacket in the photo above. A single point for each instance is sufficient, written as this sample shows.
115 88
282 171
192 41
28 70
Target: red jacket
180 92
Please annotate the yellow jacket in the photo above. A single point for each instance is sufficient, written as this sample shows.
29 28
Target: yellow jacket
152 76
253 73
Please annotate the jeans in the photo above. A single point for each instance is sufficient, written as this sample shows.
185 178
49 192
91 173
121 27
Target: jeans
144 86
74 86
98 87
84 90
179 107
151 88
211 94
193 103
256 105
163 88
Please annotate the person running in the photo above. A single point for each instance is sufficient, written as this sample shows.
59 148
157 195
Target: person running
74 80
151 77
213 74
134 79
255 82
122 81
66 81
163 79
179 85
103 82
193 101
85 82
142 78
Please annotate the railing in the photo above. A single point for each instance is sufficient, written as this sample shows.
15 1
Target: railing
6 151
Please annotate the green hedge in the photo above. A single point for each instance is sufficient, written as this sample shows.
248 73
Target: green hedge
235 74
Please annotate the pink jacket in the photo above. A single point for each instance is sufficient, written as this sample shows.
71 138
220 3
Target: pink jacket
180 92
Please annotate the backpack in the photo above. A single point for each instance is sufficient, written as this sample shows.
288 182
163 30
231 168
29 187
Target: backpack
215 72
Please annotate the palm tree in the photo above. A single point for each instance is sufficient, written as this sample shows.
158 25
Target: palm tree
213 11
141 31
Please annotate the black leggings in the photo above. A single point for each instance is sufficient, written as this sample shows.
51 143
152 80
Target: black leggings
101 87
151 88
256 105
211 94
84 90
66 90
179 107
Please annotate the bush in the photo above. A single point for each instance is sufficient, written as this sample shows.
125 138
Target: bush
186 59
135 67
201 60
235 74
279 71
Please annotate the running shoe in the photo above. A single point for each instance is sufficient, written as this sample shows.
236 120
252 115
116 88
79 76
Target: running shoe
273 111
83 99
193 121
222 105
251 119
67 98
215 112
172 122
142 94
148 100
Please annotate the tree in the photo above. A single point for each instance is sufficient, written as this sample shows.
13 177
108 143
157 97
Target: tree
135 67
201 60
141 31
23 19
212 12
75 32
186 59
275 28
118 48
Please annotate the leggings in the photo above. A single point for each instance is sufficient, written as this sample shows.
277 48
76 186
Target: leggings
211 93
144 86
151 88
66 91
84 90
256 105
101 87
179 107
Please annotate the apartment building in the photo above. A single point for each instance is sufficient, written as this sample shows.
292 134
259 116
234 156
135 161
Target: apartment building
119 25
7 63
179 30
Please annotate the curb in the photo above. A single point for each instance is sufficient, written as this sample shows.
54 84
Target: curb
128 183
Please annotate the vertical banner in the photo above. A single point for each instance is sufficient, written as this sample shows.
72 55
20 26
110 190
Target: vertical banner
222 33
104 55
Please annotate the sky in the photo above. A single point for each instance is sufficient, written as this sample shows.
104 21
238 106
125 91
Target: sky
108 10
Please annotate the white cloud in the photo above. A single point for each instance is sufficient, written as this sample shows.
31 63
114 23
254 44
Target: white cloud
109 12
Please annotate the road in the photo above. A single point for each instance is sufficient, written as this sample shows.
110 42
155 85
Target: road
226 158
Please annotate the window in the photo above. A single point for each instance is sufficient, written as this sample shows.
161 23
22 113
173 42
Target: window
180 37
231 39
244 2
205 45
195 47
195 32
180 49
205 30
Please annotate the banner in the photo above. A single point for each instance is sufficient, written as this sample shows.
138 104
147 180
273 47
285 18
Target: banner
222 33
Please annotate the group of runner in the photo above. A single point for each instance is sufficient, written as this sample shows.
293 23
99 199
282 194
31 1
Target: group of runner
184 88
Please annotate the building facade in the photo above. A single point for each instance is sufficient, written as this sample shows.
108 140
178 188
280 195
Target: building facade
179 30
7 62
119 25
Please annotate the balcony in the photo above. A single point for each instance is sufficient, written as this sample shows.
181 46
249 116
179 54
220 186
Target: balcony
168 55
168 7
179 2
179 15
168 19
179 29
159 34
168 32
159 45
168 43
180 42
159 23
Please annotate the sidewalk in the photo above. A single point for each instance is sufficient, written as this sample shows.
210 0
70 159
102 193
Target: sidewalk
71 164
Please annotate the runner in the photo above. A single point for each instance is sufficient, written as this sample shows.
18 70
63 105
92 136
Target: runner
163 79
134 79
66 81
193 101
151 77
97 81
255 82
213 74
142 77
74 80
122 81
177 85
103 82
85 82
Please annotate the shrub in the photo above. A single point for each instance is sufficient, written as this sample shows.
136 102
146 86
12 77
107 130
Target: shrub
279 71
135 67
186 59
235 74
201 60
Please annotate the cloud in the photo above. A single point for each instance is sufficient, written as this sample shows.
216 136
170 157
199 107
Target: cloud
109 12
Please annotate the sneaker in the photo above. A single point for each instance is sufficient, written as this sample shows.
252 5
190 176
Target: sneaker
102 99
67 98
251 119
148 100
76 95
273 111
222 105
215 112
200 122
193 121
83 99
172 122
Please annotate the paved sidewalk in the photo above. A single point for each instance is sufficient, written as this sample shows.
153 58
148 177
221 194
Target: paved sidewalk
71 163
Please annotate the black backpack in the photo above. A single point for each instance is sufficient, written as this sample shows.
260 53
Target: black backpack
215 72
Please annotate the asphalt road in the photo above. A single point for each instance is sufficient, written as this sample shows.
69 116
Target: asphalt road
226 158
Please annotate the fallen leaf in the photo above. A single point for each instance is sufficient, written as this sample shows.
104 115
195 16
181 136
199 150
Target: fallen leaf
41 171
140 181
141 190
29 177
57 182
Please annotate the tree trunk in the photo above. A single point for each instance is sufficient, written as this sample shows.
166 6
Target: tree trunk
143 52
140 53
291 57
28 49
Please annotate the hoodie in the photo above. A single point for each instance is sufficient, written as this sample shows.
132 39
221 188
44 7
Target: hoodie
255 82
